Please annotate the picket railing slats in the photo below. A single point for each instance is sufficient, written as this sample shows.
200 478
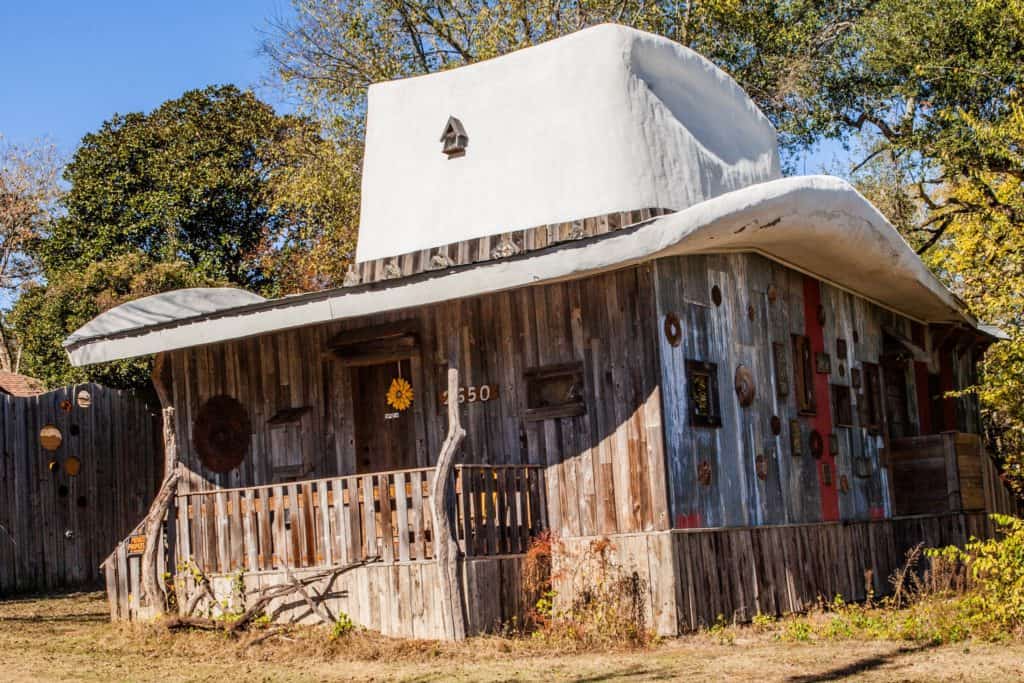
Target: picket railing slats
381 516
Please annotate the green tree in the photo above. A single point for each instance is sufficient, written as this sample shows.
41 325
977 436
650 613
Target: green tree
45 315
936 88
178 197
185 182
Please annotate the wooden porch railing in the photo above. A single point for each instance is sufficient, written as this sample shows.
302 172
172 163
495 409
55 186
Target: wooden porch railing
381 516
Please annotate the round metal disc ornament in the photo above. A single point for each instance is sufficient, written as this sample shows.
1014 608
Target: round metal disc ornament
84 399
673 329
50 437
744 384
816 444
221 434
65 406
72 465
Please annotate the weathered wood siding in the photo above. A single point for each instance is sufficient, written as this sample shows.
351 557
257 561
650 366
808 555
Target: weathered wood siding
605 468
741 331
694 576
56 528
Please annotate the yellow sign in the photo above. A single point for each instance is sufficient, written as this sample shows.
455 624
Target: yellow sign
136 545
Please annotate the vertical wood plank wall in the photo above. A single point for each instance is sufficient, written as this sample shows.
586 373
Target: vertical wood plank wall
58 528
741 331
605 468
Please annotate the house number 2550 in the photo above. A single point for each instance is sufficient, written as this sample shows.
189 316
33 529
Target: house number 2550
473 394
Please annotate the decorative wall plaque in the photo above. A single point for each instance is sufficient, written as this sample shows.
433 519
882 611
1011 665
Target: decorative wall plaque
761 466
844 484
702 379
716 295
822 363
221 434
833 444
704 473
795 438
815 444
826 474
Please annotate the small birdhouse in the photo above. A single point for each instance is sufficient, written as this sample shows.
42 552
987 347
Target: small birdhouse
454 138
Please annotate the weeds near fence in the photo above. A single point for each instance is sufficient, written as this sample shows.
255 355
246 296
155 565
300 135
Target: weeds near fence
939 595
583 598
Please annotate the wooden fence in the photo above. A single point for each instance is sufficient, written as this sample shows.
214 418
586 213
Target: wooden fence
79 468
382 516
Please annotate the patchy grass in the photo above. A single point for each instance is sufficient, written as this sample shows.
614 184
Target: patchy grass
68 638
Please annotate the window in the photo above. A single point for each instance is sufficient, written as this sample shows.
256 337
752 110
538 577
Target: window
702 380
554 391
872 403
803 374
842 406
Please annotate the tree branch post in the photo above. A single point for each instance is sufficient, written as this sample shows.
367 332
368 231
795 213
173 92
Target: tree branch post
445 548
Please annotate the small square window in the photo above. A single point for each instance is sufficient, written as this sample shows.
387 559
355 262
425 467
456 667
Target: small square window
554 391
702 380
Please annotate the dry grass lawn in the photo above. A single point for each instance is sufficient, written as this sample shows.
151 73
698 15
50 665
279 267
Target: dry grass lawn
69 638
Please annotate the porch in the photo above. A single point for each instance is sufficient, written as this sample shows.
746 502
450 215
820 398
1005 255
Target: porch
373 529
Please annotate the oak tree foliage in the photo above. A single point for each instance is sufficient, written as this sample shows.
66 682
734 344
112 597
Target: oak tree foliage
177 197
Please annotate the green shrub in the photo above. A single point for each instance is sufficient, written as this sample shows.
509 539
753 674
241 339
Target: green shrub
343 626
995 595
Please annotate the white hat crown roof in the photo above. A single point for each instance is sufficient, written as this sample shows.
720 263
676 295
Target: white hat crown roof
604 120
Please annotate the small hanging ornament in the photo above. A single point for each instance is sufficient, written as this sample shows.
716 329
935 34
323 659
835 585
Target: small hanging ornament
400 394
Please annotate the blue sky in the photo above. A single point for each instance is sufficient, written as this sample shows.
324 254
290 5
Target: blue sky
69 65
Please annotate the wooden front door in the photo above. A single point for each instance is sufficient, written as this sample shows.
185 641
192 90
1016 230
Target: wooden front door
385 433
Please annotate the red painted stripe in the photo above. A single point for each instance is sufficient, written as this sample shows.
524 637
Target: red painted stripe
822 420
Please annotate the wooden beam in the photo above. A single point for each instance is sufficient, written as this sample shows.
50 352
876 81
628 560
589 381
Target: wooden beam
374 333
